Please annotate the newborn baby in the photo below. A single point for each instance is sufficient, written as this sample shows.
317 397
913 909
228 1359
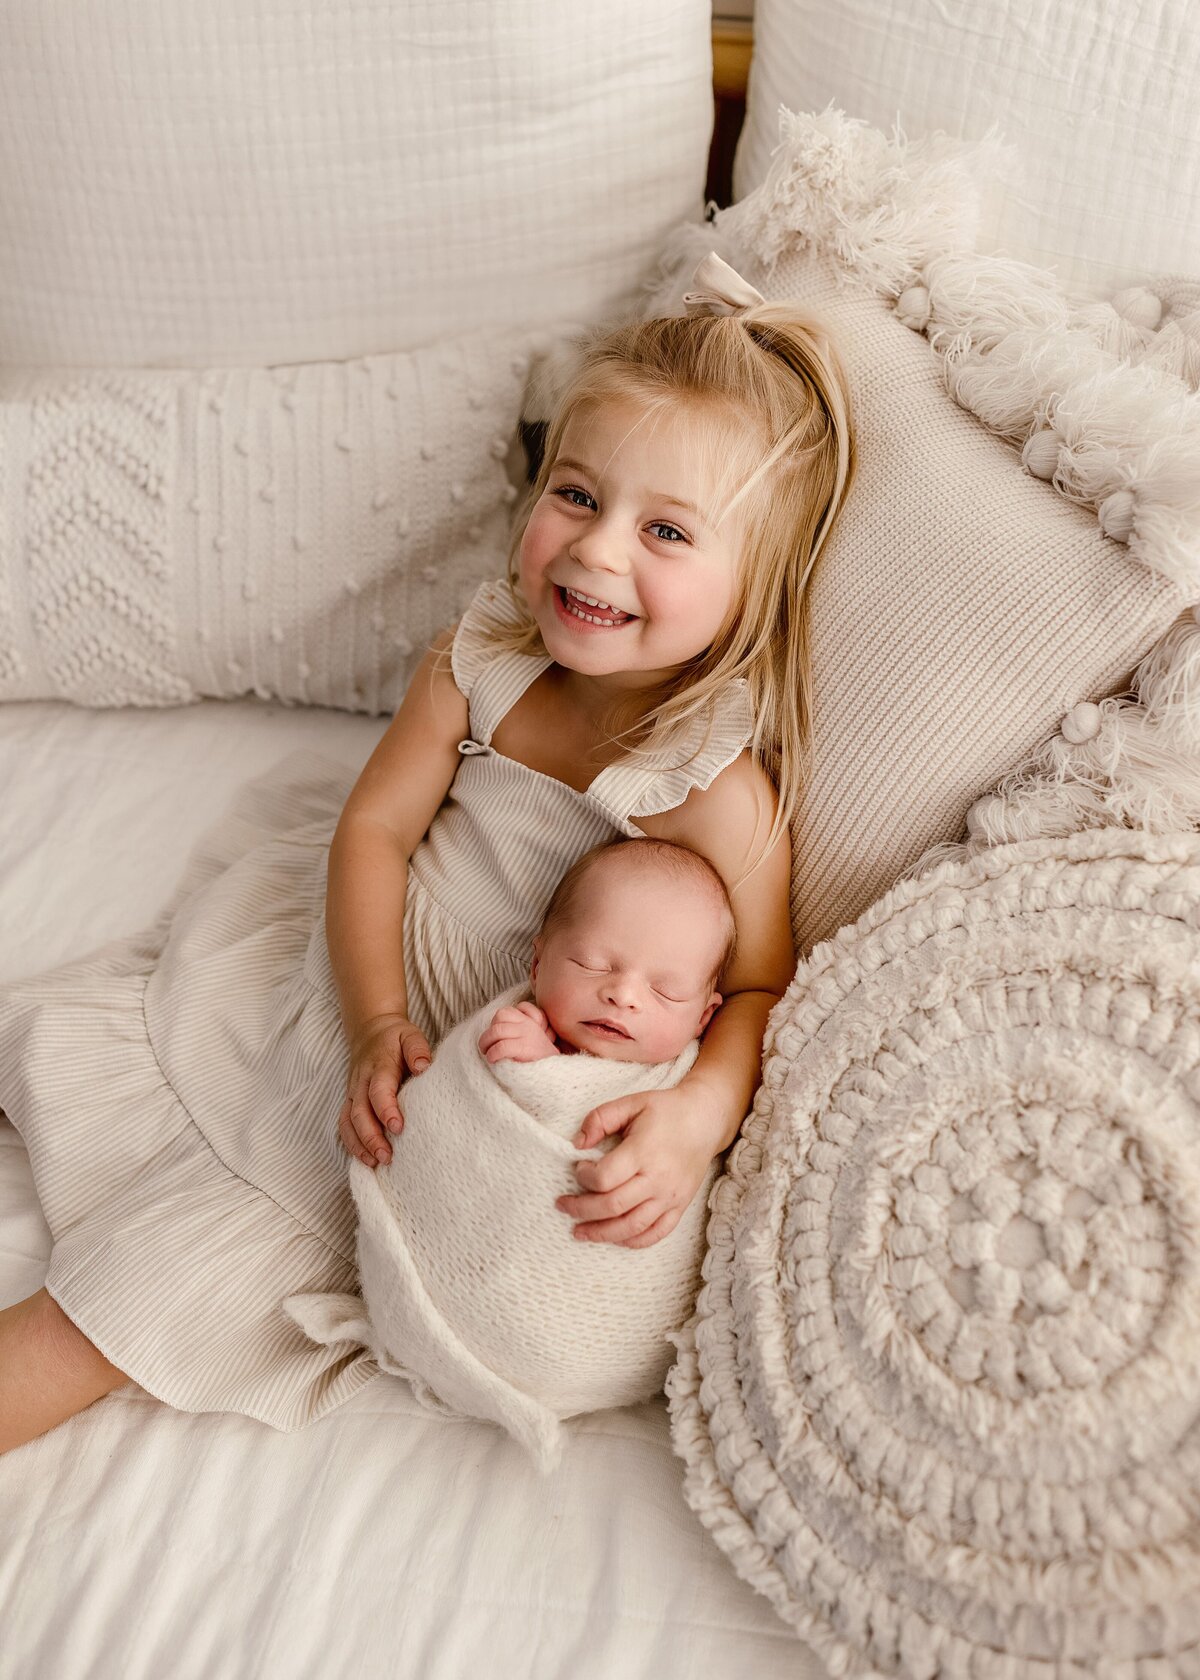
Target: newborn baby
472 1286
627 961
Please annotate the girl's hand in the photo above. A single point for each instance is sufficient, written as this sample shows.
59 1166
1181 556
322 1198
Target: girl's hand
638 1192
384 1052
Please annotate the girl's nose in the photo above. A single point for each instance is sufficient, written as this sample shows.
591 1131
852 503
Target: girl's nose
600 549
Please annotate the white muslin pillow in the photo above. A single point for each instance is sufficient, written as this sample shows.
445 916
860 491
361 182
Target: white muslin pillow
940 1398
1097 98
239 183
472 1285
298 532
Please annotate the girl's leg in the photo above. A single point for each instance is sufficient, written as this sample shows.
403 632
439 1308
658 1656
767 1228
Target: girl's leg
49 1370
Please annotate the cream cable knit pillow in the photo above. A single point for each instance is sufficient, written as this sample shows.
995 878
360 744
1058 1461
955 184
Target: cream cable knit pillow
962 608
473 1285
298 533
940 1398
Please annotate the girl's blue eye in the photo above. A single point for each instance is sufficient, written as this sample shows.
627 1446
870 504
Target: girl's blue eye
676 534
568 492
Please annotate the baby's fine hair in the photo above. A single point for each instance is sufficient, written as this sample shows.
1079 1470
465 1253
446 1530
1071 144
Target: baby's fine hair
770 399
681 861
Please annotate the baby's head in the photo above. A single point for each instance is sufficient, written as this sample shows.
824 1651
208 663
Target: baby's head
632 949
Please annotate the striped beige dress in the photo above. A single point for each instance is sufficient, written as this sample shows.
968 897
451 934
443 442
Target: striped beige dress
178 1092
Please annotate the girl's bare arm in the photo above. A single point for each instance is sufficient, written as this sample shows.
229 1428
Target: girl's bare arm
392 804
728 822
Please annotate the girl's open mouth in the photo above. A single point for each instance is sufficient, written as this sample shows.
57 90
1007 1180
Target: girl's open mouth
606 1029
578 609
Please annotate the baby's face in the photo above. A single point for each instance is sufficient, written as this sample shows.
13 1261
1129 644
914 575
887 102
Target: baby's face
628 974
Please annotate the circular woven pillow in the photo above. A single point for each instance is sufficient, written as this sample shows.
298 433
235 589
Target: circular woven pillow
938 1400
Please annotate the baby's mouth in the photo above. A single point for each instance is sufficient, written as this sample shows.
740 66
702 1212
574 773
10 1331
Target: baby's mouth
589 610
607 1029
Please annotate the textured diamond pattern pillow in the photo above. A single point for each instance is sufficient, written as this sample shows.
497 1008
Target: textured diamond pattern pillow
298 533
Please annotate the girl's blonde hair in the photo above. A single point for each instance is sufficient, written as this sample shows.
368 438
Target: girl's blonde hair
771 374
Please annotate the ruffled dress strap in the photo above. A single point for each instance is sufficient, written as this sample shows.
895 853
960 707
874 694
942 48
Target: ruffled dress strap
644 784
491 679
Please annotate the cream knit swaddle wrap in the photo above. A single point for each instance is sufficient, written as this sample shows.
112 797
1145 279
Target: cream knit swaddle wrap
472 1285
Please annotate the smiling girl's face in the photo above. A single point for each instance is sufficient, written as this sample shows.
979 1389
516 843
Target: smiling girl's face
620 563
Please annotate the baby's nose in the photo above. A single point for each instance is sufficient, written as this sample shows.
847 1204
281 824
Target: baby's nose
622 990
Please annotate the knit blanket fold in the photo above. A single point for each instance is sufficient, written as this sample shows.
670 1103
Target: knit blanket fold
473 1287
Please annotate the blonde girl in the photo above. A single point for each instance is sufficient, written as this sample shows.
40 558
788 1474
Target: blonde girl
642 670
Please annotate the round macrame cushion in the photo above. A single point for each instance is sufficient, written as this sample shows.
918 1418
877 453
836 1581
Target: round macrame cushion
939 1397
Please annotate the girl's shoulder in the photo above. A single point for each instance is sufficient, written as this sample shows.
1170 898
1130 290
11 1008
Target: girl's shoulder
699 753
728 813
491 624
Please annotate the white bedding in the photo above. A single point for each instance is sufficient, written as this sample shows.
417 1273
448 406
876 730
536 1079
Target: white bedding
142 1543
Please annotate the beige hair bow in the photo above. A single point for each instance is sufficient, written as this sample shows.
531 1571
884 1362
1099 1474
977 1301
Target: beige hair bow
719 290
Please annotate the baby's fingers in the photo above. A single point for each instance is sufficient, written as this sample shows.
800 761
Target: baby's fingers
489 1036
506 1044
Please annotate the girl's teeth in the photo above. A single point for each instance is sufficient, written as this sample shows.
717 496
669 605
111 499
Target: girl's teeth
572 598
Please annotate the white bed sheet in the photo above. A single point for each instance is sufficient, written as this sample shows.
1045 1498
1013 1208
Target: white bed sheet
140 1543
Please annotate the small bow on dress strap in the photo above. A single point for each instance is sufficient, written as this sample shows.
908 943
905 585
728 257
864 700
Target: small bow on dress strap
719 290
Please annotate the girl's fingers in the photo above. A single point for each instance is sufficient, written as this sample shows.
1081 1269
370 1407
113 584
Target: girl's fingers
414 1049
619 1230
610 1171
615 1203
381 1094
368 1131
610 1117
349 1138
662 1227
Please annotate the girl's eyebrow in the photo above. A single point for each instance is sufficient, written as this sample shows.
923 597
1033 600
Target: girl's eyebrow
569 465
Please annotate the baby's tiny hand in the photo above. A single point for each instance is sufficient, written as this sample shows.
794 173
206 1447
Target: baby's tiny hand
518 1033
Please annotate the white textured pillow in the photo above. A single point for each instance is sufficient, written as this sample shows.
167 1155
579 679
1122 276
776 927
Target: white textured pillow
297 532
940 1397
962 607
238 184
1101 100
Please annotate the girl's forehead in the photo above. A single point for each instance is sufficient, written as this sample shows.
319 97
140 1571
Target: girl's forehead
687 442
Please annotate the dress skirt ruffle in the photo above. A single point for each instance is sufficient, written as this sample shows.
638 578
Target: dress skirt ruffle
178 1094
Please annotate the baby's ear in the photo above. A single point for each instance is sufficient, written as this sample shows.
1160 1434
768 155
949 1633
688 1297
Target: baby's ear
710 1009
537 952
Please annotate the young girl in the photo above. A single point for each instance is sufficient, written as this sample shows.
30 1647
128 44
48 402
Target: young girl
643 670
